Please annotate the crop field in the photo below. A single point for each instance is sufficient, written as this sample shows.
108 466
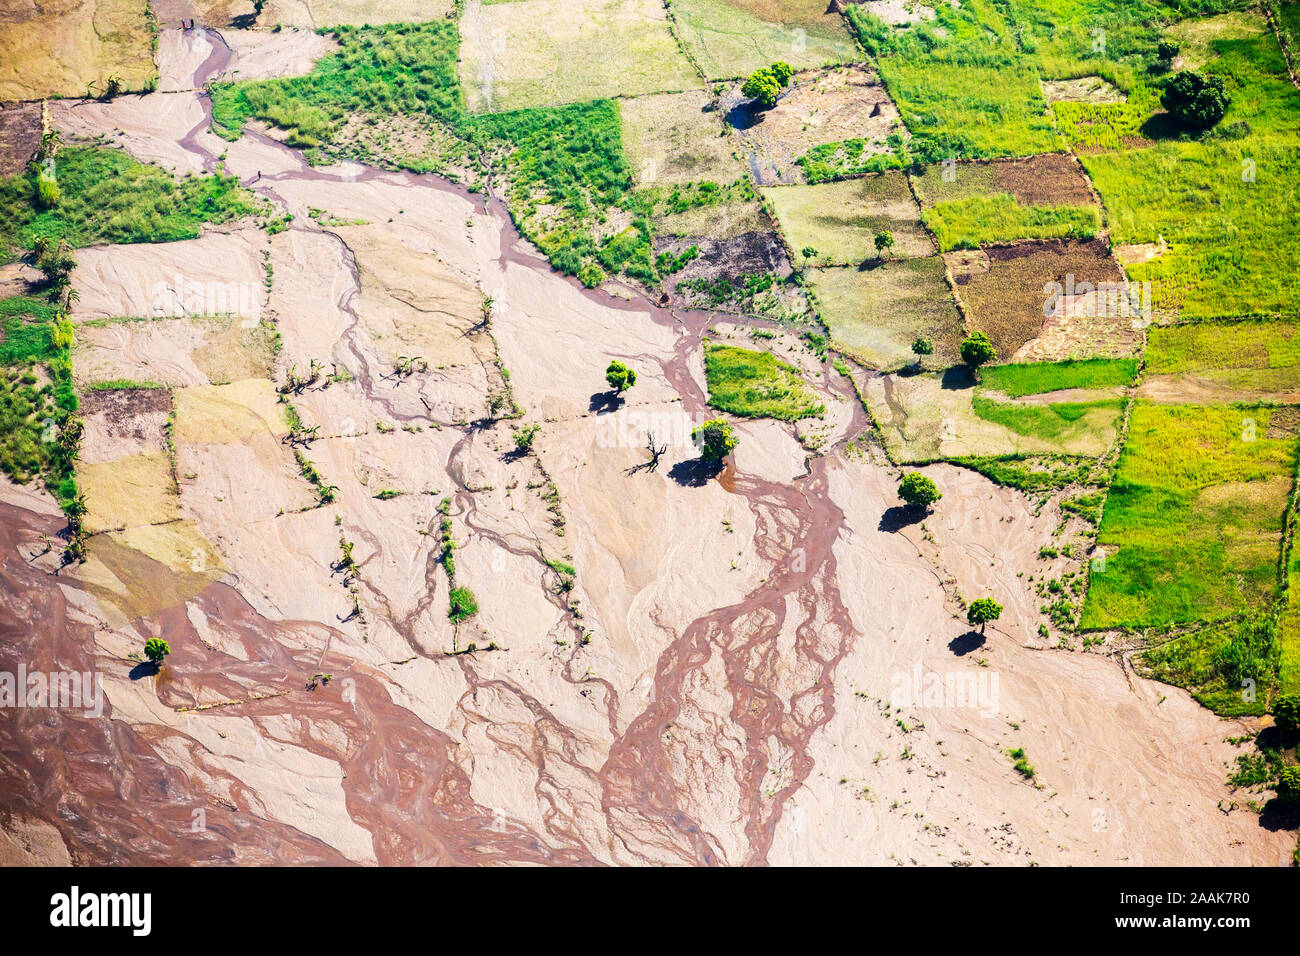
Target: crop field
1224 362
1003 291
821 107
1040 378
1223 202
731 38
970 204
835 223
939 415
672 138
58 49
755 384
311 14
1193 523
876 313
530 53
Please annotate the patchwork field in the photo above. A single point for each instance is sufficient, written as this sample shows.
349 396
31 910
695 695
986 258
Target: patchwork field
941 415
529 53
835 223
731 38
1193 522
875 313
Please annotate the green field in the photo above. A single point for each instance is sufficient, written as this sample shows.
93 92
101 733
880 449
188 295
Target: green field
757 385
1194 516
1041 377
1251 356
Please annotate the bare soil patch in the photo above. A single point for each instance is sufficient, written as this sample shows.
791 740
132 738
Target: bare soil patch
20 134
124 421
821 106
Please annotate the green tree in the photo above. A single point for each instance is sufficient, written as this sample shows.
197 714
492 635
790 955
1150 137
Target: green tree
782 71
619 376
716 439
921 348
1197 101
981 611
1288 785
762 86
978 350
1287 711
918 490
155 649
884 242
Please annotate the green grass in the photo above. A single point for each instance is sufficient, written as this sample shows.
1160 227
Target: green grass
39 431
1030 473
969 223
106 196
1212 662
1249 356
1230 239
1195 513
1038 378
1054 423
565 166
757 385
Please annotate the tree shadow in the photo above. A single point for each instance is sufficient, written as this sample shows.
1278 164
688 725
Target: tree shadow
1275 738
1280 815
901 516
144 669
746 115
1164 126
870 264
963 644
957 377
604 402
694 472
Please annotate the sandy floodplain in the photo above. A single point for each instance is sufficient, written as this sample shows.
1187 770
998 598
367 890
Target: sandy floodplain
666 666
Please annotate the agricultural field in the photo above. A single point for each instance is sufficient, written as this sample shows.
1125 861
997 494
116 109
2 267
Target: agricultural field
875 313
1057 293
1193 523
968 205
1223 362
835 223
529 53
731 38
677 138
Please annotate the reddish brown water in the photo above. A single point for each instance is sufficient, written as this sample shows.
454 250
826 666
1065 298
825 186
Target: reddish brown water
115 799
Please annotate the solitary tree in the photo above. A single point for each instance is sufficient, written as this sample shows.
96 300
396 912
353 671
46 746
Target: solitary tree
762 87
918 490
921 348
619 376
884 242
1196 100
1287 711
981 611
978 350
156 649
716 439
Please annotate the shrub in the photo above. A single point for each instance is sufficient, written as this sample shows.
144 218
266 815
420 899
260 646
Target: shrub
1287 711
978 350
1196 100
1288 785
